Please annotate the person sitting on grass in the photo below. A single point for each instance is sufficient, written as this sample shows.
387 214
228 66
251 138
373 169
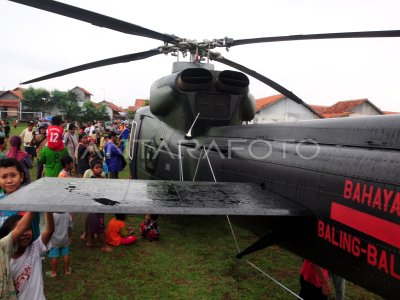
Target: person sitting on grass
149 228
26 262
8 245
117 233
60 241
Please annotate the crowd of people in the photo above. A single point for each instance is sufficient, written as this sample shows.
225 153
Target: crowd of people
91 150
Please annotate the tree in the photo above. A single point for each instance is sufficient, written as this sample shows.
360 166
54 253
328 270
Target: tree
94 112
37 99
67 103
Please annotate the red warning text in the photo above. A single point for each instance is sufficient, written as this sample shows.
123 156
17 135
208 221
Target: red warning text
382 259
385 200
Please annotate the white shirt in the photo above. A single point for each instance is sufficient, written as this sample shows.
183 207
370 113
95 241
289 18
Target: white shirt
26 271
26 136
62 222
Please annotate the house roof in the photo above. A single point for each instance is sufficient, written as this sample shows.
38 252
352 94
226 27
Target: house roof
113 106
319 108
9 103
18 91
267 101
343 108
17 94
138 104
83 90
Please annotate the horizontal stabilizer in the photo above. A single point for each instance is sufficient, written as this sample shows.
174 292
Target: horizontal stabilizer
145 196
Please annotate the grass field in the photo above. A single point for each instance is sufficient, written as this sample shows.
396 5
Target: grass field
194 259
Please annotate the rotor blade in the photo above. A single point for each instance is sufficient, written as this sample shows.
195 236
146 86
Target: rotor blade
321 36
95 18
100 63
260 77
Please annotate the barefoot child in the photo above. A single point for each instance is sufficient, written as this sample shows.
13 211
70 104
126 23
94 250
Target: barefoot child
117 232
95 221
8 244
60 241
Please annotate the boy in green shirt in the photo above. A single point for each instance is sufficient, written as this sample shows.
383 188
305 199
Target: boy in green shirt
52 161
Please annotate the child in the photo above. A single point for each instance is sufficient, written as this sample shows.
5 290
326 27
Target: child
26 263
11 180
60 241
95 221
67 163
8 244
96 169
22 156
55 134
117 232
149 228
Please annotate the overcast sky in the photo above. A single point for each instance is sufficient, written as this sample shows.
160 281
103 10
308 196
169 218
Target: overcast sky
35 43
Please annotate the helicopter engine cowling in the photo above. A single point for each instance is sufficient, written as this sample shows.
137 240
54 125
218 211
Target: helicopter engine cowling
219 98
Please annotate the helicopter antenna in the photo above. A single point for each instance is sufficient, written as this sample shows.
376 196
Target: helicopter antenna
188 135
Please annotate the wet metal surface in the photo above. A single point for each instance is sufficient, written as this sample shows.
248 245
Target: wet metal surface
142 196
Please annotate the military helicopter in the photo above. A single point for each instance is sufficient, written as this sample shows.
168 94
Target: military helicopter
327 190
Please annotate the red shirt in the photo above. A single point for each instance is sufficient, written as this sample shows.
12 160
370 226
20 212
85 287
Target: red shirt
310 274
55 138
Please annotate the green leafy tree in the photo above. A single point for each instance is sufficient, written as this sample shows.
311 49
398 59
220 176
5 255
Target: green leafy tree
94 112
37 99
67 103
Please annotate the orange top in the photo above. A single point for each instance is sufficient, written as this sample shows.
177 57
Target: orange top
64 173
113 235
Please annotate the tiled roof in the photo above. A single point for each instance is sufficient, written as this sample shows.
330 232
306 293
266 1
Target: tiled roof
17 94
342 108
267 101
319 108
9 103
113 106
138 104
18 91
83 90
